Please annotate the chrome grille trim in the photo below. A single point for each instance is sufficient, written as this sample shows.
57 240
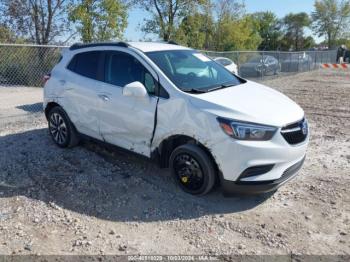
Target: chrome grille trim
295 133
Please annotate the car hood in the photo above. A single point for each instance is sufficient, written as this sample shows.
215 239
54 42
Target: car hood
250 102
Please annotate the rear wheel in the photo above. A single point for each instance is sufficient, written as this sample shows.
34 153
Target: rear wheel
61 129
193 169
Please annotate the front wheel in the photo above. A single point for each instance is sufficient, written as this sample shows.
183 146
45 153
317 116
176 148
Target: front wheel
193 169
61 129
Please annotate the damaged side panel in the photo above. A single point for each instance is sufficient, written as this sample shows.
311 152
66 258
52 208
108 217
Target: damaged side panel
176 118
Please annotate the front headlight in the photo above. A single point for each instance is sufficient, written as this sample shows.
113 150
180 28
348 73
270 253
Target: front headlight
246 131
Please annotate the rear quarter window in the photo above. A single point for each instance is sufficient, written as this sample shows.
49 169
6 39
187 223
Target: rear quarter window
85 64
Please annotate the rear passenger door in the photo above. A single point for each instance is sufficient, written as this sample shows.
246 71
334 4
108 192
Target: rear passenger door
81 85
127 121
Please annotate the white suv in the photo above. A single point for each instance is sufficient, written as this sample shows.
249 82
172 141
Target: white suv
177 106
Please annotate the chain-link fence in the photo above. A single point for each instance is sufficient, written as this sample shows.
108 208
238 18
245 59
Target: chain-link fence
22 68
262 64
25 65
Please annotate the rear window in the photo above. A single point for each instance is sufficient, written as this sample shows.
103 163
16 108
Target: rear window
85 64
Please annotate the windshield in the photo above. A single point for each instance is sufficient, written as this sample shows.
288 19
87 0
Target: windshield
190 70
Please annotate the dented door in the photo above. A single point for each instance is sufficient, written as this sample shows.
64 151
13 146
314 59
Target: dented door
125 121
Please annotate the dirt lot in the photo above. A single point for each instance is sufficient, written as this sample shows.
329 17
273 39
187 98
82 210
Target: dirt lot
91 200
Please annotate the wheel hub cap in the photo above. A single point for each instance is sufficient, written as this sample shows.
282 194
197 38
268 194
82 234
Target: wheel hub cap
58 128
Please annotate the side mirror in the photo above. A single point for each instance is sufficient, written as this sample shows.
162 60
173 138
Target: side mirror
136 89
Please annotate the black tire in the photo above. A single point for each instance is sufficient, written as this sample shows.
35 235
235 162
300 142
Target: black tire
201 159
65 135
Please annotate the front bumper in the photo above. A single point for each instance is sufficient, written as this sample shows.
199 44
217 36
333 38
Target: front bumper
279 160
259 187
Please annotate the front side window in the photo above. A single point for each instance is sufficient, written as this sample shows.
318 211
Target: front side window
122 69
190 70
86 64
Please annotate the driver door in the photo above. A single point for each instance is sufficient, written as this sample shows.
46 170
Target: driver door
126 121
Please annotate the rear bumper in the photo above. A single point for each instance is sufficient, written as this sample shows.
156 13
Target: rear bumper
260 187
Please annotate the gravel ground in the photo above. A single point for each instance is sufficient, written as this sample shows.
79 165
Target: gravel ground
93 200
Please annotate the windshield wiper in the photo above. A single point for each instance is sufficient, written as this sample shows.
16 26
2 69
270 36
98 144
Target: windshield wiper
206 90
194 90
222 86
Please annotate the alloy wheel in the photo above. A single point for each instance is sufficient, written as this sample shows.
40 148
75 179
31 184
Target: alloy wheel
58 128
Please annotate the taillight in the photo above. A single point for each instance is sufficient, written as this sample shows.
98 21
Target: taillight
46 78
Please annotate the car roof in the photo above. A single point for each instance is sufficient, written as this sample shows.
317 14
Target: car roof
156 46
142 46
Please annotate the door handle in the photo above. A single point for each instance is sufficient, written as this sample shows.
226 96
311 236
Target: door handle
104 97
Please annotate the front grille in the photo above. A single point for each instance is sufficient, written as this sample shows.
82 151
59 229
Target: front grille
295 133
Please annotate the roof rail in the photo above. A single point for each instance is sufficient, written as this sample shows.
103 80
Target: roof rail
80 45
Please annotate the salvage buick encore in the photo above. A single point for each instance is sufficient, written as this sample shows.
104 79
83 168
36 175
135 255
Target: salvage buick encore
177 106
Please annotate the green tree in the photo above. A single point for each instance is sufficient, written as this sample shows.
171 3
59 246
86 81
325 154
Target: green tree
226 12
294 27
331 19
235 30
36 20
99 20
196 30
309 42
209 25
342 41
269 30
192 31
6 35
166 15
238 34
